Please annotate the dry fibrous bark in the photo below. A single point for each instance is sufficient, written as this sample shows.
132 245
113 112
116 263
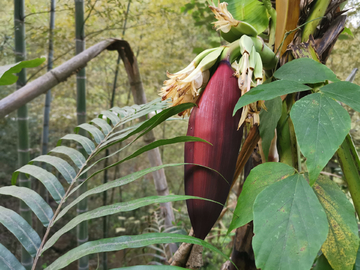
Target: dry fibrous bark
154 155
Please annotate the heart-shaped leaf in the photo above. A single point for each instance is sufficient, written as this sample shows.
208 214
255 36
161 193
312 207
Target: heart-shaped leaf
259 178
341 245
346 92
305 70
321 125
269 91
290 225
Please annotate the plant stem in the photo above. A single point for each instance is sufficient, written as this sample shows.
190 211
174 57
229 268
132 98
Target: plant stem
46 119
286 142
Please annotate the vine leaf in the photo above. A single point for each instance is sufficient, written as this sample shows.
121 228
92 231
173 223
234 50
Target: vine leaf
269 91
321 125
290 225
122 242
345 92
305 70
268 122
341 245
259 178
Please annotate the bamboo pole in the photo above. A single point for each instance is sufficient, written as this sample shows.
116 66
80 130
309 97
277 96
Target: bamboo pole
82 228
59 74
22 118
45 134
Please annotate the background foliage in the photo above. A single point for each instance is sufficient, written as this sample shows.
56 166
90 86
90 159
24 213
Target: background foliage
163 37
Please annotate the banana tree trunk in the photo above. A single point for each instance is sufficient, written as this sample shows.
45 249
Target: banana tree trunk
82 229
154 156
22 118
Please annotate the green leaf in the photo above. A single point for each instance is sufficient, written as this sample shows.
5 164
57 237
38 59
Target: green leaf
130 113
94 131
305 70
151 123
8 261
113 184
37 204
290 225
259 178
150 267
148 147
341 245
346 92
268 122
321 125
51 183
21 229
119 136
322 264
124 242
78 159
347 31
269 91
250 11
111 116
113 209
105 127
61 165
7 72
86 143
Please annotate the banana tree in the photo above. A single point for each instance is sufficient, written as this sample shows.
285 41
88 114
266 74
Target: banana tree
295 211
269 83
